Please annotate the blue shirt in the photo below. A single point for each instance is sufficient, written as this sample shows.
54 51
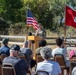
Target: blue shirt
4 50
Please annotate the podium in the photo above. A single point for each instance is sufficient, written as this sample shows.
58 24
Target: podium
36 43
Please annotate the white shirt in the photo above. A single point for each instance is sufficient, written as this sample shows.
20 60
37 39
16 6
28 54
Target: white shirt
59 51
74 71
63 52
51 67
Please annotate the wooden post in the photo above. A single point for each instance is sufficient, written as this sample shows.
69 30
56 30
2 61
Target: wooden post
65 35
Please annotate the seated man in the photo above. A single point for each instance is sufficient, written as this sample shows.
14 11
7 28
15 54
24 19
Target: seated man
21 66
61 50
42 43
5 49
28 53
48 65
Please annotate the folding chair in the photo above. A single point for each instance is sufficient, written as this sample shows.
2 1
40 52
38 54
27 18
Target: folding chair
39 58
2 56
73 59
22 56
28 72
60 59
41 72
8 69
0 69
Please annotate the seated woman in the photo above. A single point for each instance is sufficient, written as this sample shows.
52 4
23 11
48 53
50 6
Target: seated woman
72 53
48 65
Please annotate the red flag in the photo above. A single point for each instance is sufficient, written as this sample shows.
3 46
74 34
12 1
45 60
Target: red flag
70 18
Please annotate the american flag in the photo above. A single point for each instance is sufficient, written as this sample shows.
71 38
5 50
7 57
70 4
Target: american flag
31 21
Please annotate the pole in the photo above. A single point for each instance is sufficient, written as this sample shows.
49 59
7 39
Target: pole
64 28
65 25
26 15
64 34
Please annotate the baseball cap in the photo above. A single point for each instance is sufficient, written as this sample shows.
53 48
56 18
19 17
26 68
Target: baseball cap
15 47
5 40
46 52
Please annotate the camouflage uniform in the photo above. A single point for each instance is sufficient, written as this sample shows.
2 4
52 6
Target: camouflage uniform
41 33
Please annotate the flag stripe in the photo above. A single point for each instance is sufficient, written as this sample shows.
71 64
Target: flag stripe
31 21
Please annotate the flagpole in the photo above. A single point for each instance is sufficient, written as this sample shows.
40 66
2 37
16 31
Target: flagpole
65 34
27 14
65 27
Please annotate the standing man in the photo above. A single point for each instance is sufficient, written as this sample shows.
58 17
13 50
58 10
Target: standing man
5 49
41 32
20 65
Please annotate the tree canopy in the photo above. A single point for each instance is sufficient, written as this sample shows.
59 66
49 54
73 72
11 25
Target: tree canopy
49 13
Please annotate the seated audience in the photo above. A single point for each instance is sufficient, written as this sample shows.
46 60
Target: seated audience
48 65
74 71
5 49
61 50
29 54
42 43
72 53
21 66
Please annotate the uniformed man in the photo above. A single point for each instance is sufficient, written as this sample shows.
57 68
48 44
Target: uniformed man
41 32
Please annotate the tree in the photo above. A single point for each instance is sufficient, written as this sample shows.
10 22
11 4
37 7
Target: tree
49 13
12 10
40 10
